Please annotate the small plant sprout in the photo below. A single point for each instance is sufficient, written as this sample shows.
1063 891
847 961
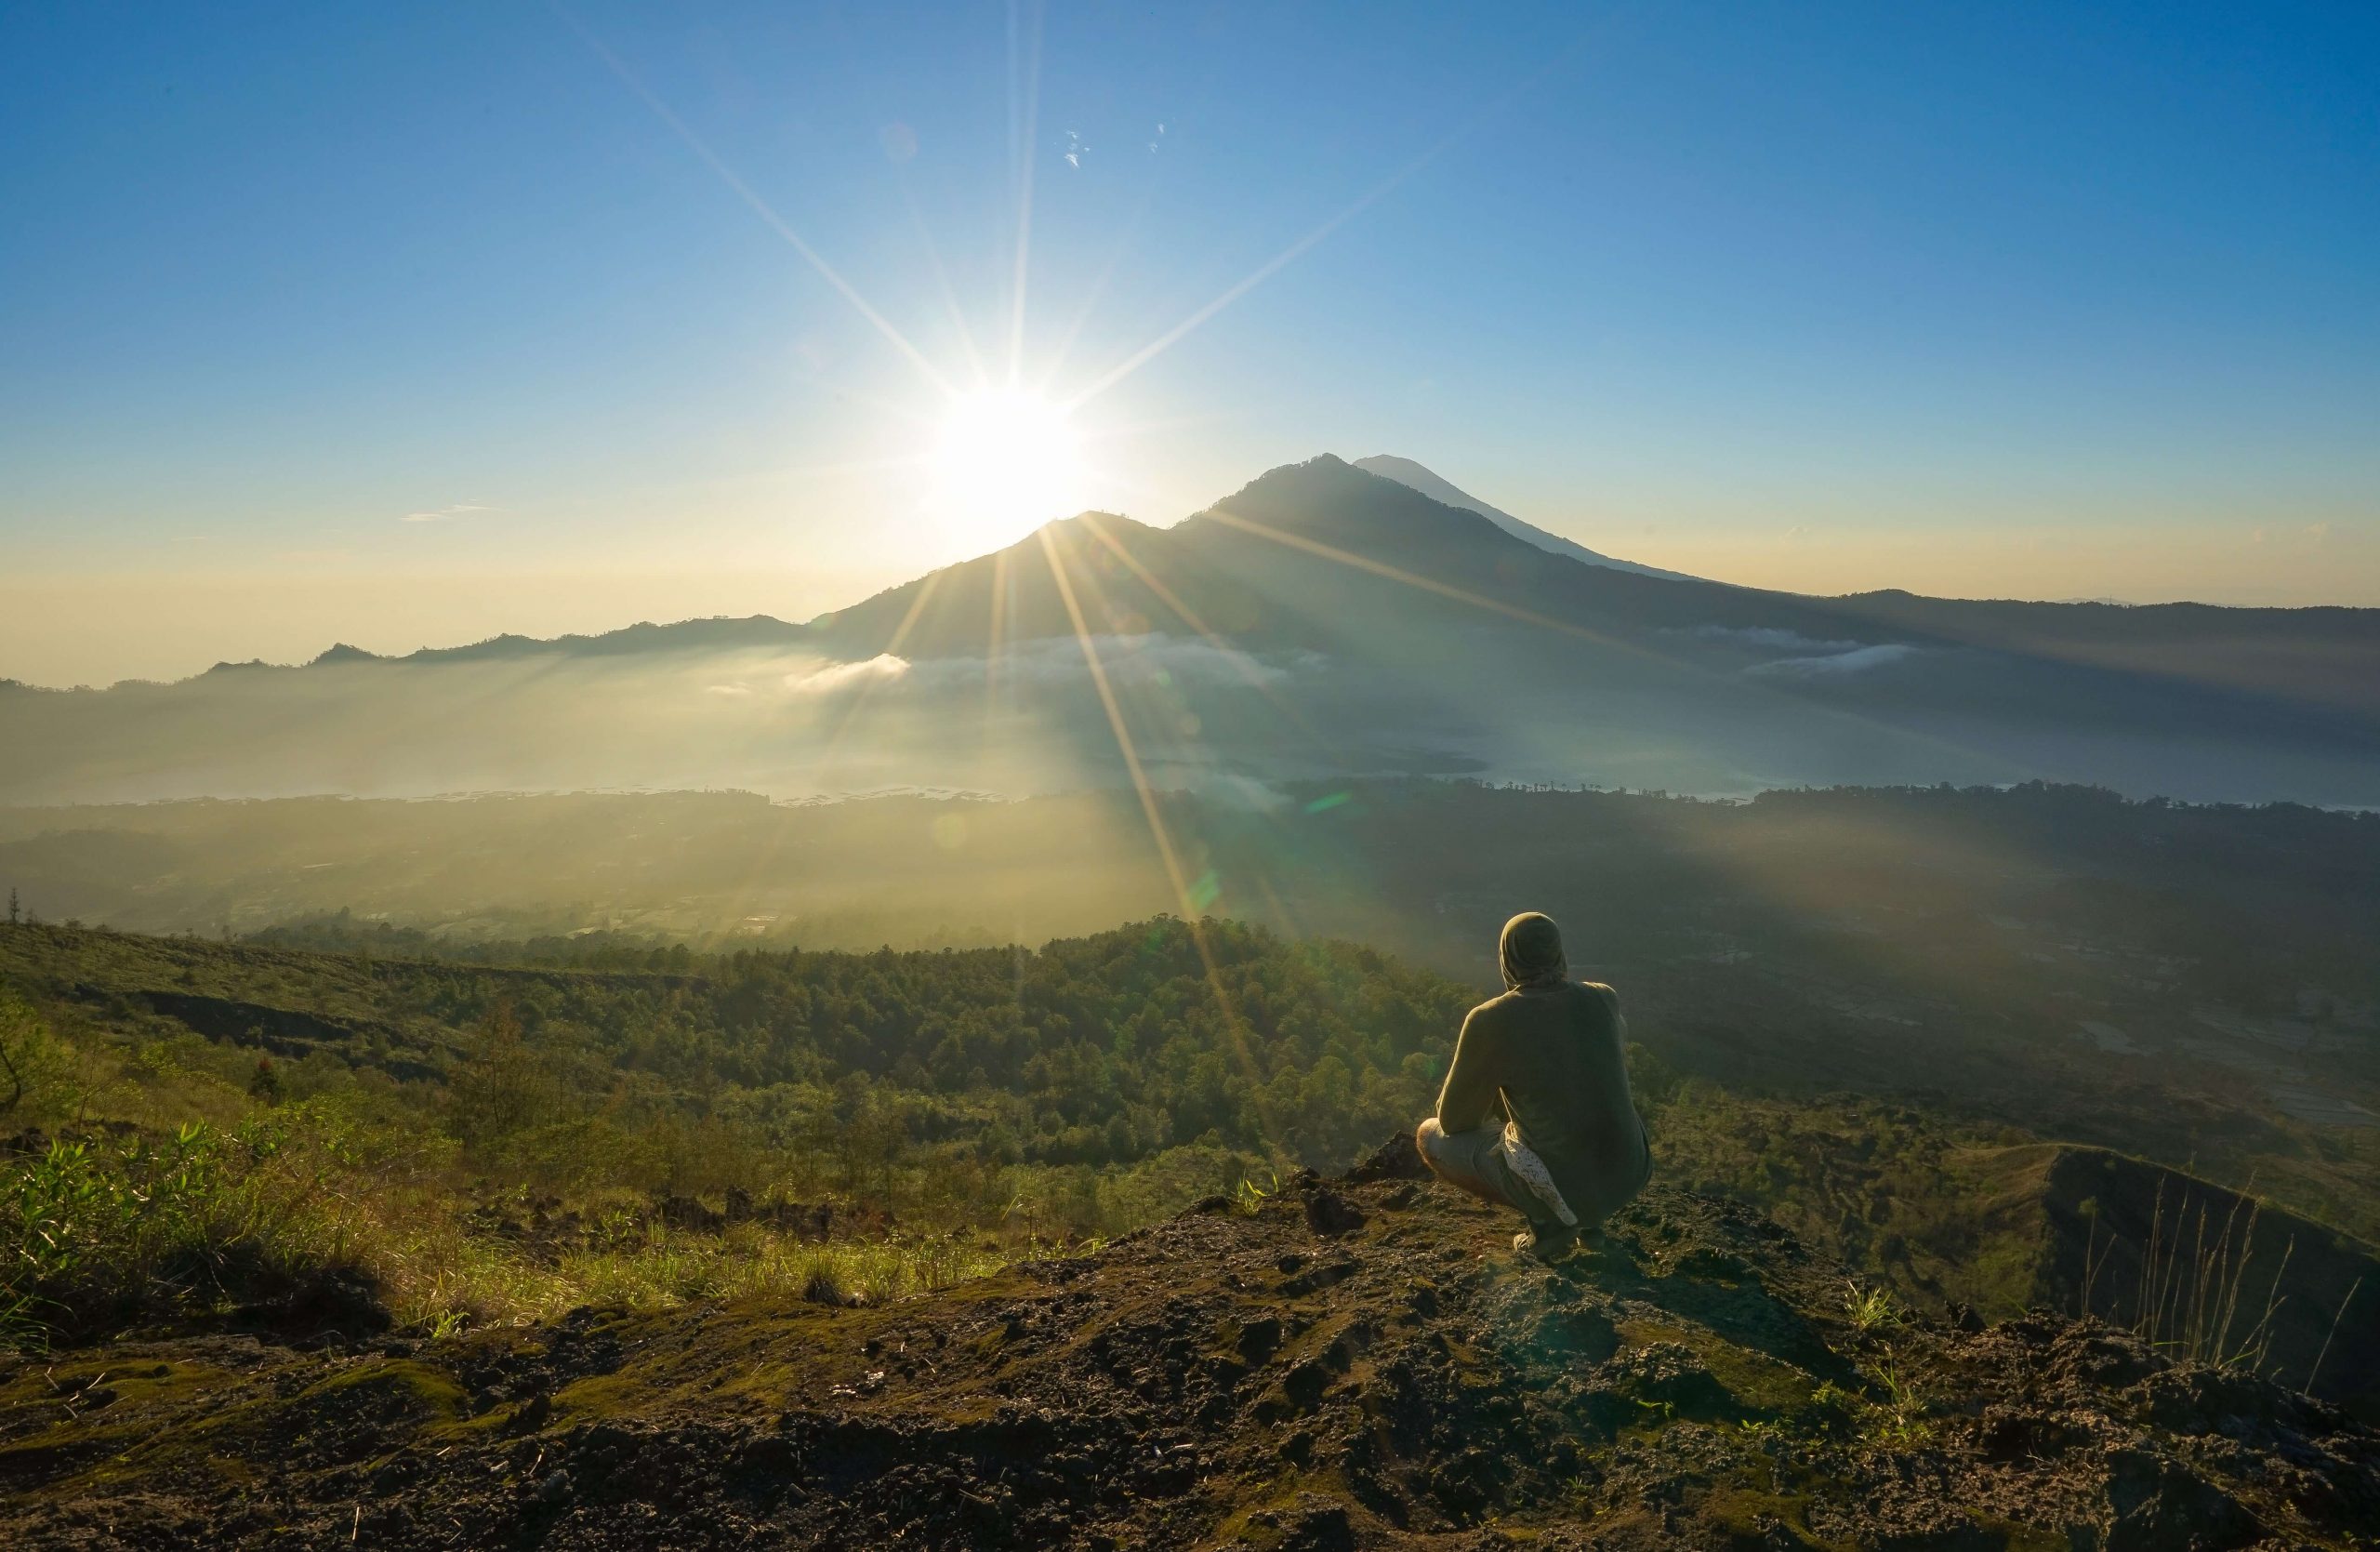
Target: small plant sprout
1901 1420
1250 1197
1870 1310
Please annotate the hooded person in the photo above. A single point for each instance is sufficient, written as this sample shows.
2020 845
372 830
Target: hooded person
1535 1112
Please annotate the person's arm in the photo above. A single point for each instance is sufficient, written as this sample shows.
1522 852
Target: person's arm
1471 1094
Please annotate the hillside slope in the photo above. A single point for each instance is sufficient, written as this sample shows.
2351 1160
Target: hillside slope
1354 1363
1101 1079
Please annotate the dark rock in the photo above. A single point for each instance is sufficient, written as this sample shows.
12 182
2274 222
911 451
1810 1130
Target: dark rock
1330 1214
2160 1505
1398 1158
2200 1401
1315 1524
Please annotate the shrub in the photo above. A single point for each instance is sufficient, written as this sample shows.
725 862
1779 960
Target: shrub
36 1070
100 1233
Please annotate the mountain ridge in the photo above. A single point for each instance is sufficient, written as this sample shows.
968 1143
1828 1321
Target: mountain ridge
1270 494
1322 618
1437 488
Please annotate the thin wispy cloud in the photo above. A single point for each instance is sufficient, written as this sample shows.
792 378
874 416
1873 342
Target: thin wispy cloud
448 514
1771 638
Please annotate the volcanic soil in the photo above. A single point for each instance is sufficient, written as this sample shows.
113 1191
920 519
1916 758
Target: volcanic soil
1355 1362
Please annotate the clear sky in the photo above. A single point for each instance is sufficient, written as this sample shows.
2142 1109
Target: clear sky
405 325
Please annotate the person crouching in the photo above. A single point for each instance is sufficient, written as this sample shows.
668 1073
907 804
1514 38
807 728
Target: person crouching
1536 1113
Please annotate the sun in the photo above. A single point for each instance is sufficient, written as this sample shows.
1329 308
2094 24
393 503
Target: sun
1005 462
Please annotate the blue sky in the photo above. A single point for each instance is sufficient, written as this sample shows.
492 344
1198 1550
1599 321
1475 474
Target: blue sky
2052 301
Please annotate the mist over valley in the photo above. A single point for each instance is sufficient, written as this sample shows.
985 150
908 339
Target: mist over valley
1322 621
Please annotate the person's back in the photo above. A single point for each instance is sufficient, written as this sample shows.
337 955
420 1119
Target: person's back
1552 1055
1547 1055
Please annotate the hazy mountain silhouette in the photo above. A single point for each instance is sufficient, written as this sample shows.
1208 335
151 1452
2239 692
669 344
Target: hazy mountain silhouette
1314 554
1405 472
1323 619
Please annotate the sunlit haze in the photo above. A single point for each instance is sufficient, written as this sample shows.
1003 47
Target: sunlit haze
410 328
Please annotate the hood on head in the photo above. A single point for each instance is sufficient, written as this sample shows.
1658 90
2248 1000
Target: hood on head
1532 952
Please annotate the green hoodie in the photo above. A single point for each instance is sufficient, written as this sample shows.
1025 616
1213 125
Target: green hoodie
1547 1053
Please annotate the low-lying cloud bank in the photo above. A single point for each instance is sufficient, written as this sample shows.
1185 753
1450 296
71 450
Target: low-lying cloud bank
1024 718
1152 660
1715 711
1855 659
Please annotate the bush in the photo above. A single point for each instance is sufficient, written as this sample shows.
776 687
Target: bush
37 1071
99 1233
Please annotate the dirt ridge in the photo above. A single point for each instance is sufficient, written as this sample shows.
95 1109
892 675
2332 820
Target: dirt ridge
1356 1362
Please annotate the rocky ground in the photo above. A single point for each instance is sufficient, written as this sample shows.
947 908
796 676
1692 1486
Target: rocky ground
1358 1363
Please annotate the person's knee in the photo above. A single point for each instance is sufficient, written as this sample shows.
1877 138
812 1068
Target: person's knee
1430 1141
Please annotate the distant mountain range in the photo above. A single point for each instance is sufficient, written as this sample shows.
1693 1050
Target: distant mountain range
1327 617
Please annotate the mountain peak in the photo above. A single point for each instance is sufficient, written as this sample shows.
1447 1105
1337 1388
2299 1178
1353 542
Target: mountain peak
1328 498
1090 517
1326 476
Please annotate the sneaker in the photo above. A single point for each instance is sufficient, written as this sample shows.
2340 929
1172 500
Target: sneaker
1550 1243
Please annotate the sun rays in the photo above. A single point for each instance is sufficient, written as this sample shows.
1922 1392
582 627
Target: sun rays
978 401
758 207
1193 910
1004 450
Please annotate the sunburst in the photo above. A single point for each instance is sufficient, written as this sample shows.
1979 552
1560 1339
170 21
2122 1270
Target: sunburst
1006 453
1005 461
